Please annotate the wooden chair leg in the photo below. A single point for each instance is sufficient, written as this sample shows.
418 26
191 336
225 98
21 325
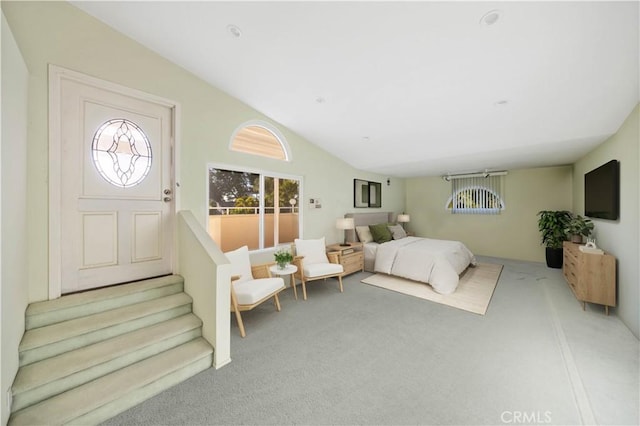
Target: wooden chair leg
276 300
304 290
340 281
240 324
234 305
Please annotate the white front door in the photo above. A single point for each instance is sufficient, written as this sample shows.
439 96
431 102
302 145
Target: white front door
116 186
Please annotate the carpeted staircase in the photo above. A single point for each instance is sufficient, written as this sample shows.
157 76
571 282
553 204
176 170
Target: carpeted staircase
89 356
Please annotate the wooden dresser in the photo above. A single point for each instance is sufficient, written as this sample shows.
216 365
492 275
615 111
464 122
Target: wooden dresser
351 257
591 277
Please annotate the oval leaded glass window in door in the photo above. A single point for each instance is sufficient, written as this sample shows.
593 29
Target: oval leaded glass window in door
121 152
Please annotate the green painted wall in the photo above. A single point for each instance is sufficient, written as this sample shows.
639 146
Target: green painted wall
513 234
621 237
13 211
58 33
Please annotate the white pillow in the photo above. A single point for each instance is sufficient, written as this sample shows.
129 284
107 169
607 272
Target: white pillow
314 251
240 263
364 234
397 231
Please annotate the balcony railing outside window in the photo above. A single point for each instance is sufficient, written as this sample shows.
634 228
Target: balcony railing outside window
231 231
258 210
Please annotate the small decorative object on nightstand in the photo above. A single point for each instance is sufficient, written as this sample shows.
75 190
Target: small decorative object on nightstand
351 257
345 224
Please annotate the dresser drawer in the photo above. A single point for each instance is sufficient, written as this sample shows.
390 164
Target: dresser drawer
591 277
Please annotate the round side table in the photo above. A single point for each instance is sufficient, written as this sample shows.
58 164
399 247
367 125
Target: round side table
288 270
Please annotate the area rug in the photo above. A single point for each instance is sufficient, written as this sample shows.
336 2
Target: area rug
473 294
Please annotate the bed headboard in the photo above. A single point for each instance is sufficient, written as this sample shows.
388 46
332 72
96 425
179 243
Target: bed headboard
371 218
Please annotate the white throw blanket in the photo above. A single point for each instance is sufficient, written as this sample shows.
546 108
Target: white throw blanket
437 262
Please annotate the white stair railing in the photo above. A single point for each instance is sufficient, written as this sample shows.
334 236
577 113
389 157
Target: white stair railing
207 279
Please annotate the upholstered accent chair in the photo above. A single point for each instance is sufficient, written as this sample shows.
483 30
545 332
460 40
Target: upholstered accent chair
314 263
251 285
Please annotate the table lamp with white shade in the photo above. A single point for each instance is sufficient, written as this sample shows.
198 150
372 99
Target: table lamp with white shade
345 224
403 218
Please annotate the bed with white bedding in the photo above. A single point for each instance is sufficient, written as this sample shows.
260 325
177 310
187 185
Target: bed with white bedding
436 262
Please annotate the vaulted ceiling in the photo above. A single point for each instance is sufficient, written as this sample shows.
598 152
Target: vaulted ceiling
411 88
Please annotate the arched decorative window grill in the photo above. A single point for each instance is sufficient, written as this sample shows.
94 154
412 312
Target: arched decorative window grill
260 138
476 194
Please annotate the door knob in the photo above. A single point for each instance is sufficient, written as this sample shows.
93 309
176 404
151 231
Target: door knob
166 199
167 192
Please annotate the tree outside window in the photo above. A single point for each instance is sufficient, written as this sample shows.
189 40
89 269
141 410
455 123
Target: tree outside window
238 193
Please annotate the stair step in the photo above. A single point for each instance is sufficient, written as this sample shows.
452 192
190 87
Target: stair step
52 376
76 305
44 342
109 395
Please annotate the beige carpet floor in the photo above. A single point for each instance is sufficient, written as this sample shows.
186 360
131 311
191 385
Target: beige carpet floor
473 294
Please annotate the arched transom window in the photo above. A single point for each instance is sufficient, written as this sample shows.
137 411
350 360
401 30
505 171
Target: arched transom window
475 199
260 138
476 194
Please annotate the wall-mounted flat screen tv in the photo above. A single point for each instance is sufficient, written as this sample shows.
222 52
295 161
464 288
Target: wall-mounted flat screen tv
602 191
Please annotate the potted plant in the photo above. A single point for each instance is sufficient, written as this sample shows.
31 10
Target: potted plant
283 258
553 224
579 227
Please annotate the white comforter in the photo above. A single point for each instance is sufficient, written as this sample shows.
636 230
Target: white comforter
437 262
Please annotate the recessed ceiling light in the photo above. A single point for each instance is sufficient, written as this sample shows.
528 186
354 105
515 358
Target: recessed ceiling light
501 102
320 100
234 31
366 138
491 17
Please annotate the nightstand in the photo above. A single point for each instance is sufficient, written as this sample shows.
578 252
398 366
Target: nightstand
351 257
